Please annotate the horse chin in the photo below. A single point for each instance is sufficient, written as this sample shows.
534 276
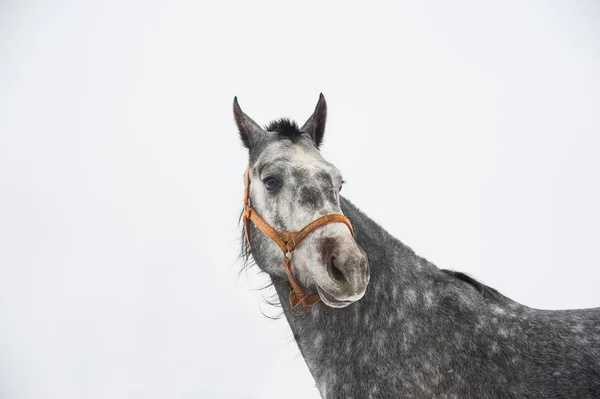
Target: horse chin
331 301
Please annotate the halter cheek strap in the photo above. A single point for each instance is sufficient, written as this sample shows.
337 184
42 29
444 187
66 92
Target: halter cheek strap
287 242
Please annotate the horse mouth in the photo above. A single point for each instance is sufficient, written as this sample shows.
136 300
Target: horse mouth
332 301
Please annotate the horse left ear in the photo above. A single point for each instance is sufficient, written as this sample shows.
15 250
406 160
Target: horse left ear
250 132
315 125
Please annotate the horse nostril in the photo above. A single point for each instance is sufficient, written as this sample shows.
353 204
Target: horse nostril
335 272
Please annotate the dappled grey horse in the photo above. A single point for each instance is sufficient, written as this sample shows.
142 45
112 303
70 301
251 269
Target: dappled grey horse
390 324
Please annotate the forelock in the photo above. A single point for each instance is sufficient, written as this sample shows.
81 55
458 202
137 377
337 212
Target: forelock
284 134
285 129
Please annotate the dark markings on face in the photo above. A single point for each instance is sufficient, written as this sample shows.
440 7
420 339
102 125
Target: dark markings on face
301 176
311 197
329 190
324 179
304 187
331 196
326 247
279 222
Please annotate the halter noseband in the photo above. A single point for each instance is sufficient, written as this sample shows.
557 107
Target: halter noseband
287 242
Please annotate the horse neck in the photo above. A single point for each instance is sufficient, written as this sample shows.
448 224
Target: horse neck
399 285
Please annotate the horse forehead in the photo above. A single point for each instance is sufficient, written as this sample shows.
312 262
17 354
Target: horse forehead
297 156
307 159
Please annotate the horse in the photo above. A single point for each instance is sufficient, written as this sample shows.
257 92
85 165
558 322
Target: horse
373 319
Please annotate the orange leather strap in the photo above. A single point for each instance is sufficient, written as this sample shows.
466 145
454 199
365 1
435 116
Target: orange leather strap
315 224
287 242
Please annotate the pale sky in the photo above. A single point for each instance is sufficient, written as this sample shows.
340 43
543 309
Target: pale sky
469 131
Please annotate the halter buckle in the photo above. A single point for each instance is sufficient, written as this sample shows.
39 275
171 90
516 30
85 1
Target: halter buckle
292 247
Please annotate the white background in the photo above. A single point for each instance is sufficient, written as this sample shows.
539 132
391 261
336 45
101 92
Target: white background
469 131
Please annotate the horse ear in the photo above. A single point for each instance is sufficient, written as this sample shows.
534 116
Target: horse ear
315 125
250 131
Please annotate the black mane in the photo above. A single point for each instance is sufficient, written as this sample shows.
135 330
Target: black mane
487 292
285 128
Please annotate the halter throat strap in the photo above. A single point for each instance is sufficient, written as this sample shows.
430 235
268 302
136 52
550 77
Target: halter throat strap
287 242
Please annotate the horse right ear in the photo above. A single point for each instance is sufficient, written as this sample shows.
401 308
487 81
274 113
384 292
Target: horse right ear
315 125
250 131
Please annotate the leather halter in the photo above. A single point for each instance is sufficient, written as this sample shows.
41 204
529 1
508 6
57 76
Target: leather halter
287 242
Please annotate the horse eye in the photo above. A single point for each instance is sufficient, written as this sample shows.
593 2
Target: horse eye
271 183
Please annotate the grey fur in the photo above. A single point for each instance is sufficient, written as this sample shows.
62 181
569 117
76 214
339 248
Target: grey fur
420 332
424 332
